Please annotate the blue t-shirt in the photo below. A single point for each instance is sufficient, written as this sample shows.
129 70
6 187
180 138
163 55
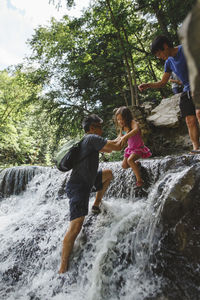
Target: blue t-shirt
178 65
86 170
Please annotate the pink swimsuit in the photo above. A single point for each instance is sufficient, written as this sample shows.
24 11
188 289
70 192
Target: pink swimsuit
136 145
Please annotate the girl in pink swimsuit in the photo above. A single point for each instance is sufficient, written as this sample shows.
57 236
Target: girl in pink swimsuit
129 132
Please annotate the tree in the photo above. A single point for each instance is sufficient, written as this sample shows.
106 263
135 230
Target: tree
24 136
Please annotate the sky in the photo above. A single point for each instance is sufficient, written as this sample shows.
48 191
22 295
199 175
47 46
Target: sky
18 18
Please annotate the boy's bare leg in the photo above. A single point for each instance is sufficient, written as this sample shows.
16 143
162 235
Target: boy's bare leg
68 242
106 179
198 115
193 130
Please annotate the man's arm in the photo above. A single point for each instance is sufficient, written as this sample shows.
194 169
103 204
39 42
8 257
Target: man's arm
112 145
155 85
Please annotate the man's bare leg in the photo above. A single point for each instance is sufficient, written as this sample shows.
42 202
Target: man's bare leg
193 130
106 179
68 242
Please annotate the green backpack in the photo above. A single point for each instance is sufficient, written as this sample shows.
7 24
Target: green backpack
68 155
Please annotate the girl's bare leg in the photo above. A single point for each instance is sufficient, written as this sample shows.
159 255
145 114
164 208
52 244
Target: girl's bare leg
132 163
125 164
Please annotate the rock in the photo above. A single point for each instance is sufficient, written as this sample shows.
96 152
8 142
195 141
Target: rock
167 113
189 35
168 133
148 106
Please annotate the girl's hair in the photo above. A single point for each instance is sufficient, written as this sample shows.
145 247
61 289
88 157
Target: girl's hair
126 116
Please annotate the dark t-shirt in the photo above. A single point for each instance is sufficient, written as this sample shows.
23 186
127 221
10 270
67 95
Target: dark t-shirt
86 170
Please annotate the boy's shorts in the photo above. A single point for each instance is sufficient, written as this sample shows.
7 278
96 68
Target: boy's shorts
186 105
79 193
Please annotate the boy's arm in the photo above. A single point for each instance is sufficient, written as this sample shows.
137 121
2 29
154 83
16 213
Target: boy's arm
155 85
176 81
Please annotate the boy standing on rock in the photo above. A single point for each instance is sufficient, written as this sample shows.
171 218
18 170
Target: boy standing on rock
175 62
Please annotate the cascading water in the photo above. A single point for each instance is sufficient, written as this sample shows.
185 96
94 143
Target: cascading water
144 245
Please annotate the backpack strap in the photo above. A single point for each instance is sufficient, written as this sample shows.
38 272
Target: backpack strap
84 157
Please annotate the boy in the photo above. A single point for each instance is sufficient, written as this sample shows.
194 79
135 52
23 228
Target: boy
175 62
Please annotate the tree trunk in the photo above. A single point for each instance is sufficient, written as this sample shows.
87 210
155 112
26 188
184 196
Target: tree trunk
133 67
133 102
161 18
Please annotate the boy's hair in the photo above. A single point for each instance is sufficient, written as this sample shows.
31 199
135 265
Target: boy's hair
89 120
159 42
126 115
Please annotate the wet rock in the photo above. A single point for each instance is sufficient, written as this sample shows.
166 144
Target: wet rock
12 275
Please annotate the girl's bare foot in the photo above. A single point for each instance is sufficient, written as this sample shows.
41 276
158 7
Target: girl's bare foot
138 163
139 183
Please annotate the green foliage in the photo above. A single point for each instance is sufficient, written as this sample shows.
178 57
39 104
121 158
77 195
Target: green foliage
114 156
24 132
90 64
166 16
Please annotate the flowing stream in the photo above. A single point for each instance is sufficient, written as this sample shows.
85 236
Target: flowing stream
118 254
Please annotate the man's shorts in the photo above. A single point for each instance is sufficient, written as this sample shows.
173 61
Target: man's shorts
186 105
79 193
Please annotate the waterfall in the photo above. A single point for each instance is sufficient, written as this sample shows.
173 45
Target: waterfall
144 245
14 180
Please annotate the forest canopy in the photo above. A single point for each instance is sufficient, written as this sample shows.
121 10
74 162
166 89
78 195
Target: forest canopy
90 64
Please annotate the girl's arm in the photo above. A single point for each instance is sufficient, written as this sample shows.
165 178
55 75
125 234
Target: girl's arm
134 130
119 137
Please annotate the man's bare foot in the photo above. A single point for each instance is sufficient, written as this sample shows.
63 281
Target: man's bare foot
62 270
96 209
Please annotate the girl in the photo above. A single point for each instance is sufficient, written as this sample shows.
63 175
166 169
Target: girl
130 132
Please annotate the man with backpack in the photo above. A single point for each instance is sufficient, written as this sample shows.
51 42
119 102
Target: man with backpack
85 178
175 62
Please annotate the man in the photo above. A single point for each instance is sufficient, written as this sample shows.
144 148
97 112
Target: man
85 178
175 62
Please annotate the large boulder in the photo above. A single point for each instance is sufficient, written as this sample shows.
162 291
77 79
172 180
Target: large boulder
163 130
189 35
167 113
